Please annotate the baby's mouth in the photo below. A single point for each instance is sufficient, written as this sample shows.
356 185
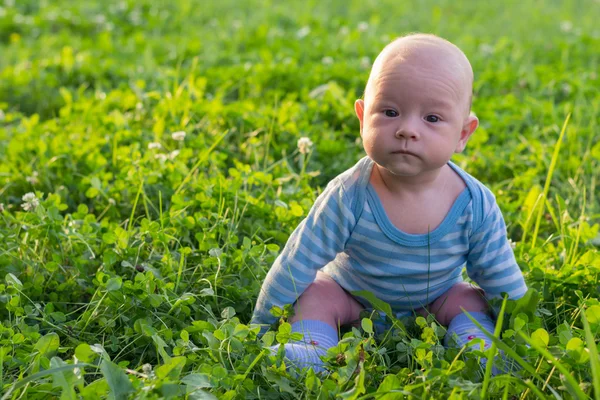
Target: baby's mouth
404 151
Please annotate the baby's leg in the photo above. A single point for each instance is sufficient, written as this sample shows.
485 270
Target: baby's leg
448 306
319 311
461 330
324 300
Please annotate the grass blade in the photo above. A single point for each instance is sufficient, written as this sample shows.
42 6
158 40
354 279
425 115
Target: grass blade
535 390
490 360
118 382
594 361
203 157
41 374
546 354
548 180
137 198
507 350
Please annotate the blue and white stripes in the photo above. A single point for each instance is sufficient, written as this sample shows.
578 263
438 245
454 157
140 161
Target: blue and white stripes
348 235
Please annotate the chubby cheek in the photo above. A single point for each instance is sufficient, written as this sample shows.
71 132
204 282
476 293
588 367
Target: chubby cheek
370 137
375 120
368 141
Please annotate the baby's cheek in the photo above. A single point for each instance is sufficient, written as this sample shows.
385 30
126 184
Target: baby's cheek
378 119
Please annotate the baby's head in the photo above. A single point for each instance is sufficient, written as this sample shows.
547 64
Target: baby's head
428 54
420 90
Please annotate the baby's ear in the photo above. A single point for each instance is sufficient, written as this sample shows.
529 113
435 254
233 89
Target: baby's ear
359 108
471 123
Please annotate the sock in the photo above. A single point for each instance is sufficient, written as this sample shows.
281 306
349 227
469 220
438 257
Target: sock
462 330
318 337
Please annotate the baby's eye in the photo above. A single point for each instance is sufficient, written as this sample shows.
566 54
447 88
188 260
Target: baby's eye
390 113
432 118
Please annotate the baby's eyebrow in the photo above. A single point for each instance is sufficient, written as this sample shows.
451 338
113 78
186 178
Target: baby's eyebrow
440 104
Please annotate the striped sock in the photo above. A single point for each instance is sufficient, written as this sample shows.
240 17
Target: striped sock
318 337
462 330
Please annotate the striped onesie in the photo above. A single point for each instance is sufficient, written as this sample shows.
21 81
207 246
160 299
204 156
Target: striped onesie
348 235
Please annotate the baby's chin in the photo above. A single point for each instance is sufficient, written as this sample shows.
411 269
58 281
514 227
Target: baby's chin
400 172
411 172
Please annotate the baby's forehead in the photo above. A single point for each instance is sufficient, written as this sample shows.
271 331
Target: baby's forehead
416 43
426 51
423 54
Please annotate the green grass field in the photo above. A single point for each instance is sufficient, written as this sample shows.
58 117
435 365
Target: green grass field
132 269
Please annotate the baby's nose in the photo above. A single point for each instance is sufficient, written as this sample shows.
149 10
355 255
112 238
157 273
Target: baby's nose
408 129
407 132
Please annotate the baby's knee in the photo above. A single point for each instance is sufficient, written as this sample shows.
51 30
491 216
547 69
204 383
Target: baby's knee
464 290
326 296
325 292
461 296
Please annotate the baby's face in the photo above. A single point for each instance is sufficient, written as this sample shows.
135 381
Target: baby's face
415 114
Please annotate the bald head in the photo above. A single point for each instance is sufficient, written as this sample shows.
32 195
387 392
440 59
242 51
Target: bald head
425 53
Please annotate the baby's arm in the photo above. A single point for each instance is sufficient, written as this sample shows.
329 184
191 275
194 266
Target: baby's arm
491 262
313 244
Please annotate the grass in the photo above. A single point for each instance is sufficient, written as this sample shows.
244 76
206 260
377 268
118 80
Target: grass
134 270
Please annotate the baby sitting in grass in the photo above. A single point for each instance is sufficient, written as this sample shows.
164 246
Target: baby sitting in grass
404 220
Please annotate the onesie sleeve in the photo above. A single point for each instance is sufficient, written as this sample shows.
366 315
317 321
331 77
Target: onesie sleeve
491 262
313 244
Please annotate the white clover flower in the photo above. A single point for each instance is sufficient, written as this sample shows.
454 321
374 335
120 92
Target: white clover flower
344 30
135 17
30 201
179 136
566 26
303 32
365 62
33 179
154 145
486 49
1 207
99 19
275 32
327 60
512 244
363 26
161 157
304 145
2 115
385 38
147 369
76 371
173 154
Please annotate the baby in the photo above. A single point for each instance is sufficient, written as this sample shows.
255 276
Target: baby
404 220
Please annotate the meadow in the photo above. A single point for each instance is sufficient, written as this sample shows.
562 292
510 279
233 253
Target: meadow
150 174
